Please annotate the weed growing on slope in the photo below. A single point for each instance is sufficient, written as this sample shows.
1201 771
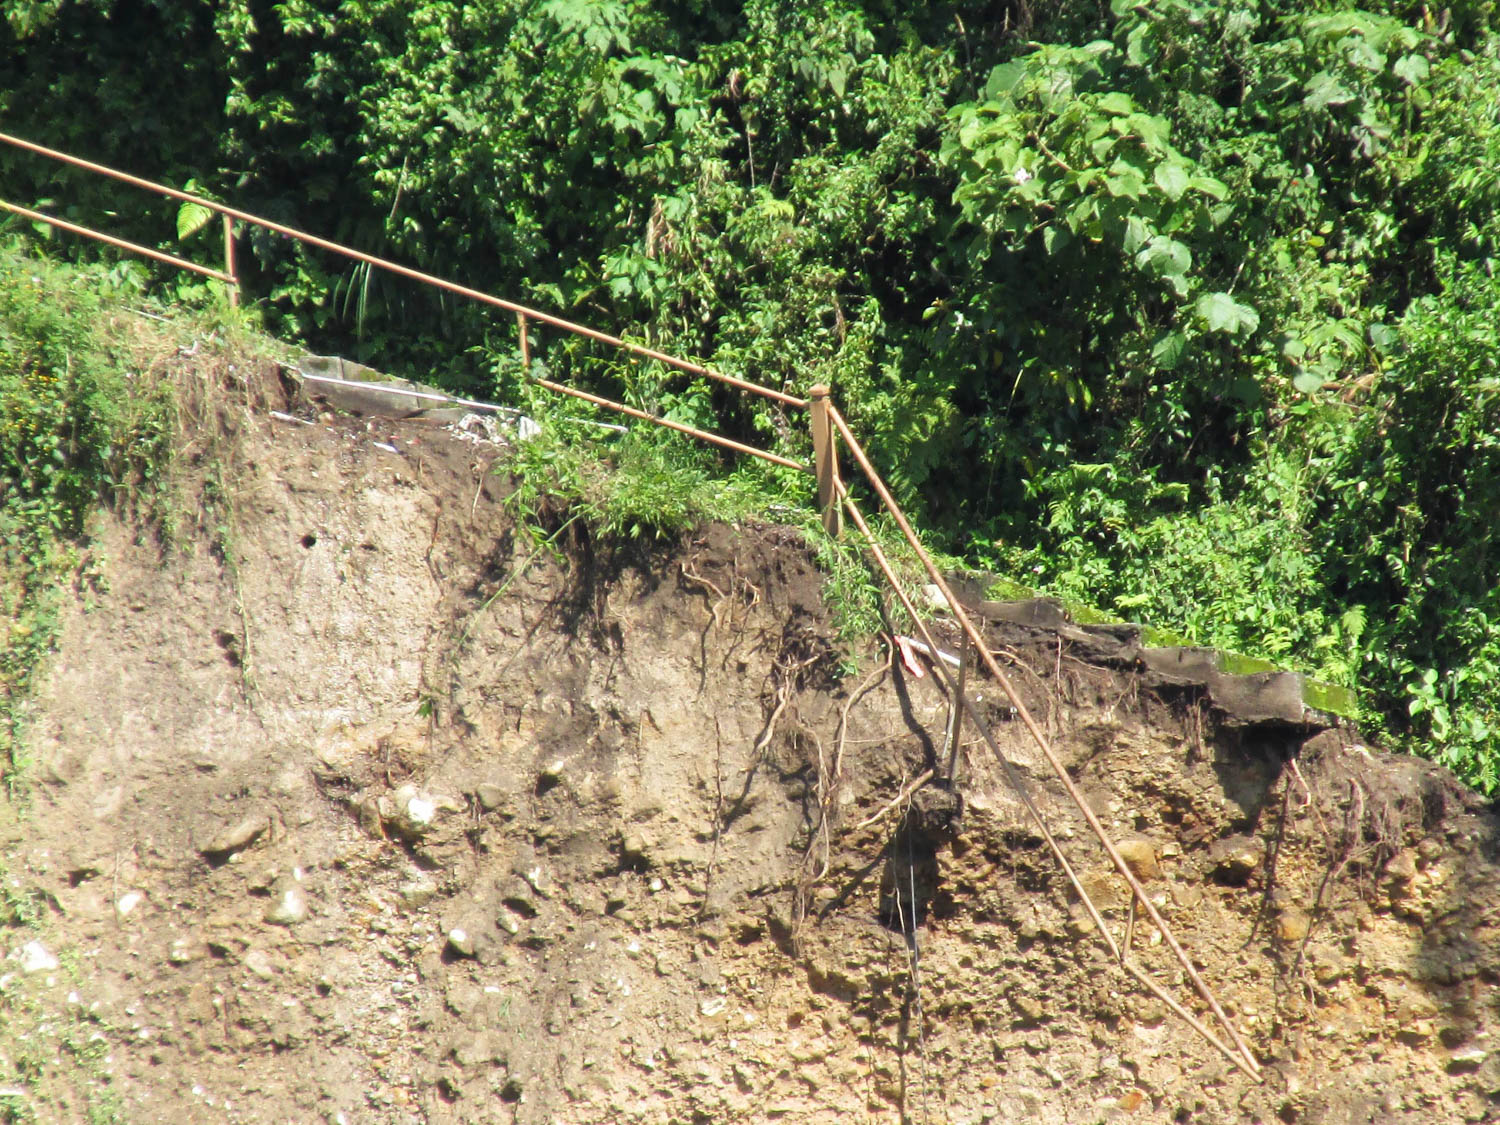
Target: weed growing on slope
640 485
657 486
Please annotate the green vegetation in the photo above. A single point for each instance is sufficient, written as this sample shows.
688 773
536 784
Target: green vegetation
88 415
649 485
643 485
1181 309
73 428
54 1065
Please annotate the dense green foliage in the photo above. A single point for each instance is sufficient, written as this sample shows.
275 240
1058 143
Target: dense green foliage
1181 308
74 429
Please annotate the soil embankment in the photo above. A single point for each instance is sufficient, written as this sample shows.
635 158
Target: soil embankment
357 808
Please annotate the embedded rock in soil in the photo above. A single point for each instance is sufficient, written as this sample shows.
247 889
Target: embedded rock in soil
235 837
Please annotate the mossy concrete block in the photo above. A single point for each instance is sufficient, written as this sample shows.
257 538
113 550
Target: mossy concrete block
1038 613
381 397
1247 689
1266 697
1182 665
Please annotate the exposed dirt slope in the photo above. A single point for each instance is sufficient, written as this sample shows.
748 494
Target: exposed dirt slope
355 809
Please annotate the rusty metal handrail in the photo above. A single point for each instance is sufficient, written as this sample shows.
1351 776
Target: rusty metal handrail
833 498
120 243
407 272
994 669
681 428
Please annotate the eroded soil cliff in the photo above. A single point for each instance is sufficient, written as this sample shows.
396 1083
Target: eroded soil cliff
355 807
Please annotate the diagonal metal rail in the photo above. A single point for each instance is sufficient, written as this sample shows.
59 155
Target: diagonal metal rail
118 243
1013 778
1043 743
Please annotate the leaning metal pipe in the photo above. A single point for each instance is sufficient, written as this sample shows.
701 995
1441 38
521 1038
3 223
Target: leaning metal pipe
406 271
1014 779
1012 776
858 453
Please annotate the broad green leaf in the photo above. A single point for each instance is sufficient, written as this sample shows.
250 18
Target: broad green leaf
1168 350
1116 103
1140 49
1172 178
1153 131
1361 54
1411 69
1209 186
1004 79
191 218
1308 382
1223 313
1324 90
1165 257
1125 180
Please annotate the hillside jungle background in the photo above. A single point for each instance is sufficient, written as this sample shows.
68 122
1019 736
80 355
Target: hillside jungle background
1186 310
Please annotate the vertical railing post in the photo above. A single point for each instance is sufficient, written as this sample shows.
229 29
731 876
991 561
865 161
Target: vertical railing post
234 283
525 342
956 714
825 460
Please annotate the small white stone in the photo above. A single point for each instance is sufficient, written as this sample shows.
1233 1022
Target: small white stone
259 963
128 902
656 885
460 941
180 952
37 958
289 908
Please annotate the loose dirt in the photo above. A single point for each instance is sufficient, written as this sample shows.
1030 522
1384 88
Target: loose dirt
351 805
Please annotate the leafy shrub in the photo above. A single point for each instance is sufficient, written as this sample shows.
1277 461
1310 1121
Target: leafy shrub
1416 533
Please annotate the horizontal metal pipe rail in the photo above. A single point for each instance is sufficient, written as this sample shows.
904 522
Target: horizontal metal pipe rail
406 271
691 431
